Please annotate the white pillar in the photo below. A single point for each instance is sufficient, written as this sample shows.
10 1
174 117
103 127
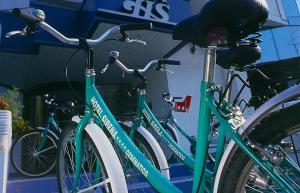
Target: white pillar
5 142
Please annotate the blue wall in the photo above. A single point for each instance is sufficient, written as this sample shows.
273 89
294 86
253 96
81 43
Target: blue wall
80 23
179 9
284 42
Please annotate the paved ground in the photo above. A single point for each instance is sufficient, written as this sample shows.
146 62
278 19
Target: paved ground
180 175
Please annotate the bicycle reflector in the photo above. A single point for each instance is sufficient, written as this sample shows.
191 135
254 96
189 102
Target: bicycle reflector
183 106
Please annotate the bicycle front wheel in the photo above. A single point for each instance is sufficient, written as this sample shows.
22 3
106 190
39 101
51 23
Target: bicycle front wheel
34 155
100 170
280 140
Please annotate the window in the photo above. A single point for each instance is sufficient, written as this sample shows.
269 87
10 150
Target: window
298 4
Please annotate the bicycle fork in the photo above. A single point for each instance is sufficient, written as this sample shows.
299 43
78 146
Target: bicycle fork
79 150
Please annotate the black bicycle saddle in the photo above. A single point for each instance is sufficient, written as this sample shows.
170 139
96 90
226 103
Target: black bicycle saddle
223 20
238 56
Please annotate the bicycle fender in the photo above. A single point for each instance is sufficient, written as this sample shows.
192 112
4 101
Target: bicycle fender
173 130
157 150
108 155
154 145
255 118
49 131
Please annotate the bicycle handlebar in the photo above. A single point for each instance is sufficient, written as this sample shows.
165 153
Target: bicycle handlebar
75 41
114 58
34 20
58 35
131 71
51 102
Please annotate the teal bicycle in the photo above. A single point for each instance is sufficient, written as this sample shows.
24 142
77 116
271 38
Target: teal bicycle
252 155
33 154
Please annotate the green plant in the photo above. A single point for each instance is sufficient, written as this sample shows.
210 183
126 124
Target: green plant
21 126
10 100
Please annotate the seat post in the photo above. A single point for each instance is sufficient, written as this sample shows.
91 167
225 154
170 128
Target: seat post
209 63
230 73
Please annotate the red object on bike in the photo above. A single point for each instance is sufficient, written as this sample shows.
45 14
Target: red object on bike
183 106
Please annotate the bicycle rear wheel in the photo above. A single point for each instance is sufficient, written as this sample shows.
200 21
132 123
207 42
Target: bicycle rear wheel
172 132
277 135
30 157
100 170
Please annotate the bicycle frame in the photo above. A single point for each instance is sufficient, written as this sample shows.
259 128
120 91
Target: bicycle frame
172 121
97 111
51 123
143 109
208 106
104 118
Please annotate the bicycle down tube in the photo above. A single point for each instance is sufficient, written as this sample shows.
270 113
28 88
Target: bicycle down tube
50 124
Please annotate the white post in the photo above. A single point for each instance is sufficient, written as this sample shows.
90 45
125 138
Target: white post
5 142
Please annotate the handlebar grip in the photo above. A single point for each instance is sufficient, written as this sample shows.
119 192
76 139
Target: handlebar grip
177 98
136 26
28 17
169 62
113 56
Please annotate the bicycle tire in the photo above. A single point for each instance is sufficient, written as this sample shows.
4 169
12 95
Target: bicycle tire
98 149
28 155
172 132
274 128
152 151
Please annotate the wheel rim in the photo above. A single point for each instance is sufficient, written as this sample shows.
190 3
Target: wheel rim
89 181
257 181
31 161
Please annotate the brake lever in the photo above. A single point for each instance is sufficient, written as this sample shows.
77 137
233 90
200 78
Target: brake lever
105 68
14 33
163 69
169 71
127 40
136 40
25 31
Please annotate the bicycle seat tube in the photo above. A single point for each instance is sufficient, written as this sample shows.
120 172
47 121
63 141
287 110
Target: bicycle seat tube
204 120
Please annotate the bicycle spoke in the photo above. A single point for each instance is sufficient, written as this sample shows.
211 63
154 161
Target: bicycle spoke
94 186
46 149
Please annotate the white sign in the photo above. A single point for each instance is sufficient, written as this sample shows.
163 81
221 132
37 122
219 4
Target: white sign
148 9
